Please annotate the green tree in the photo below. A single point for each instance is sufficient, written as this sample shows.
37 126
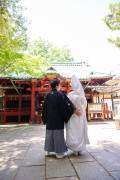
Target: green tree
13 27
33 66
13 33
8 58
49 51
112 20
14 42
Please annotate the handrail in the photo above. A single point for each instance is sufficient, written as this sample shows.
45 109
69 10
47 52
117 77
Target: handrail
16 109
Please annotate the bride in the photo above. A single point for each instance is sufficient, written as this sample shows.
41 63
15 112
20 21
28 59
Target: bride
76 128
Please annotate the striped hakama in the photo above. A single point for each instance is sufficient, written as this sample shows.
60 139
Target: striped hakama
54 141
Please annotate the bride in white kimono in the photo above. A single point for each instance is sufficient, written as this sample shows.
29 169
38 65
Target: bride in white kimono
76 128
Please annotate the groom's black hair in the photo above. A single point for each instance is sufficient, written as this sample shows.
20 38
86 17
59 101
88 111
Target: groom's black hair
54 83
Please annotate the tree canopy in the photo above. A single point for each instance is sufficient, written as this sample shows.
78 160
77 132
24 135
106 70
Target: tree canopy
13 33
50 52
14 42
112 20
13 28
27 66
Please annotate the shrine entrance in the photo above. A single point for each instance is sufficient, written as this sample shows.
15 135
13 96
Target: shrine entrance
39 99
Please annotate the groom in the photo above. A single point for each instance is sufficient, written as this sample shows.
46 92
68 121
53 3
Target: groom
57 110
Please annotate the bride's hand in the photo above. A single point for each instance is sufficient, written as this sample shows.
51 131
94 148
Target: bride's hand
77 112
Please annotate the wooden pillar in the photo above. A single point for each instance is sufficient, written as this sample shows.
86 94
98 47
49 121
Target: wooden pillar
107 112
5 104
96 97
92 95
92 102
19 114
32 119
103 97
2 106
68 88
112 103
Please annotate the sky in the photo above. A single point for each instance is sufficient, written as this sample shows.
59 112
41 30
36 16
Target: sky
79 25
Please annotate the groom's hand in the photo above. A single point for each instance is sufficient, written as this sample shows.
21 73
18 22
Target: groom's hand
77 112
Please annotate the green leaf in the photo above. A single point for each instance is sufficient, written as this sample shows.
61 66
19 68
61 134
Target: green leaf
49 51
113 21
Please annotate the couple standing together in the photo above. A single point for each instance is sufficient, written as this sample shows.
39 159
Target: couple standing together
60 110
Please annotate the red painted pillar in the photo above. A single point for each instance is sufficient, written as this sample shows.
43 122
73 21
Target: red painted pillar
107 112
5 104
32 119
68 88
19 113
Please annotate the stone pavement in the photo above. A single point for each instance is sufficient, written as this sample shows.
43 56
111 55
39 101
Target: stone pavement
22 156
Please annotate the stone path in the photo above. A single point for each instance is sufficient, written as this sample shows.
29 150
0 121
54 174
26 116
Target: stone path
22 156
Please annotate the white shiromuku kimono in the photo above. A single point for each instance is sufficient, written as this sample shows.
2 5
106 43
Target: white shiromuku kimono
76 128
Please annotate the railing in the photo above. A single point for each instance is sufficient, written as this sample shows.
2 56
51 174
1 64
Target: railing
14 111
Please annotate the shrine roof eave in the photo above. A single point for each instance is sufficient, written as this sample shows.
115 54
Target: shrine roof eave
82 78
113 81
61 76
64 78
16 79
100 77
105 89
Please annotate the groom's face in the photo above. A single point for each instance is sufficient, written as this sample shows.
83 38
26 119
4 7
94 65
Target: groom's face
58 87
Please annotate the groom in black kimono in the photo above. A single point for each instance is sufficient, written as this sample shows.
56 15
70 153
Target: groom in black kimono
57 110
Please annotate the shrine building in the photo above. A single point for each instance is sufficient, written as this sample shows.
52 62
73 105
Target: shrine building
21 98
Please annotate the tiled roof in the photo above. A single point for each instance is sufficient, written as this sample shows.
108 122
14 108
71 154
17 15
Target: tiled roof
66 70
17 76
82 70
